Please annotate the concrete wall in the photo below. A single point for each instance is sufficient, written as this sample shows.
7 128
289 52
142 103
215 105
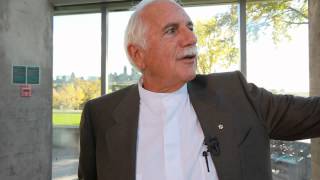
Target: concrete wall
314 52
25 123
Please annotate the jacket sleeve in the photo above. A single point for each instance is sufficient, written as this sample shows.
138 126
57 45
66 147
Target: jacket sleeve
87 159
286 117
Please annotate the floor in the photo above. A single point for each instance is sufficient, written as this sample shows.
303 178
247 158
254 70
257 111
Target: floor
64 163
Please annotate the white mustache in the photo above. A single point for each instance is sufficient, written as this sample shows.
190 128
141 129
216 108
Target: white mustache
187 52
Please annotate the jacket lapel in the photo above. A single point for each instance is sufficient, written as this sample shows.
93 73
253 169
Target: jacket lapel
216 122
122 137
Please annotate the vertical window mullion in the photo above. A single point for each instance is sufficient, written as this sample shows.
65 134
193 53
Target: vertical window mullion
104 45
243 36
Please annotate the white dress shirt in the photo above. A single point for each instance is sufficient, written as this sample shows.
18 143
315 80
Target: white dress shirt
170 139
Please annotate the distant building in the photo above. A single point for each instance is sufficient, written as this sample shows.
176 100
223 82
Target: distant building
122 80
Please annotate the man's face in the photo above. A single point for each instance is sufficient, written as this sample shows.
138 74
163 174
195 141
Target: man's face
167 58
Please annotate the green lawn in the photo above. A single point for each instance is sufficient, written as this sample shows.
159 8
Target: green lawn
66 118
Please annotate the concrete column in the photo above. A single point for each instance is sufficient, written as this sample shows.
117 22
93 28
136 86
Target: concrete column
314 53
25 122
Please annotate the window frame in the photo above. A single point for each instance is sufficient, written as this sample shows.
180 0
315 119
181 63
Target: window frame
67 7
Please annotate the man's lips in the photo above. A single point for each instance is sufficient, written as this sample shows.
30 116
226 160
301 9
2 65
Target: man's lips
188 60
189 57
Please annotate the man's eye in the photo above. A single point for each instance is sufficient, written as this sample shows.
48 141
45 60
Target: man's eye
191 28
171 30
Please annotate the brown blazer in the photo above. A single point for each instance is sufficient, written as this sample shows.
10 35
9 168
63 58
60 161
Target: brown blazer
250 117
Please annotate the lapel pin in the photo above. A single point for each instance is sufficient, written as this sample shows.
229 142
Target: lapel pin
220 126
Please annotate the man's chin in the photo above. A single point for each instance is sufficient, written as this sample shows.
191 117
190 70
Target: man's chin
190 76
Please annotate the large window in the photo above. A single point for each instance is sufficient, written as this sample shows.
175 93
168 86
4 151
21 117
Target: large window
278 60
76 79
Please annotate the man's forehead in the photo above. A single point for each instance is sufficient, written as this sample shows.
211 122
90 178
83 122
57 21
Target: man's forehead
161 3
165 12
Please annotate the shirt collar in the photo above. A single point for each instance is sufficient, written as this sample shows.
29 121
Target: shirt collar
146 95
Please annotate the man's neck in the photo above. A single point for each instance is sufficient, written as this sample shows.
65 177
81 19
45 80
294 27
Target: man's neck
159 86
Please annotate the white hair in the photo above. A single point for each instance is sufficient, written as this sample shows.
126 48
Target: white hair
136 28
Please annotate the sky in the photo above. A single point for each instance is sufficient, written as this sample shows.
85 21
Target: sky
77 49
76 45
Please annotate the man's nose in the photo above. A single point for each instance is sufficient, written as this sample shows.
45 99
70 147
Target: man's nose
188 38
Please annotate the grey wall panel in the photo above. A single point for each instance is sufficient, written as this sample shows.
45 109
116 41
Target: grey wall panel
25 131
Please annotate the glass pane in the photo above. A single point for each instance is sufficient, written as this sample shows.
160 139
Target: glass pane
120 72
217 31
278 46
277 49
76 79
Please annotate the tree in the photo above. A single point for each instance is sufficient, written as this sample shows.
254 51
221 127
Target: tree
90 89
56 98
217 41
281 15
217 37
73 94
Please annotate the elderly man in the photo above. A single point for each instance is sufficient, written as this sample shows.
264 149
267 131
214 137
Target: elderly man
174 125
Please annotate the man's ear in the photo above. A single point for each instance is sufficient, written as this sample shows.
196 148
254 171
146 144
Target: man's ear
137 55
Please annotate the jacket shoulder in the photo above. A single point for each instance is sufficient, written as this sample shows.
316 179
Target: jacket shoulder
109 100
220 80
